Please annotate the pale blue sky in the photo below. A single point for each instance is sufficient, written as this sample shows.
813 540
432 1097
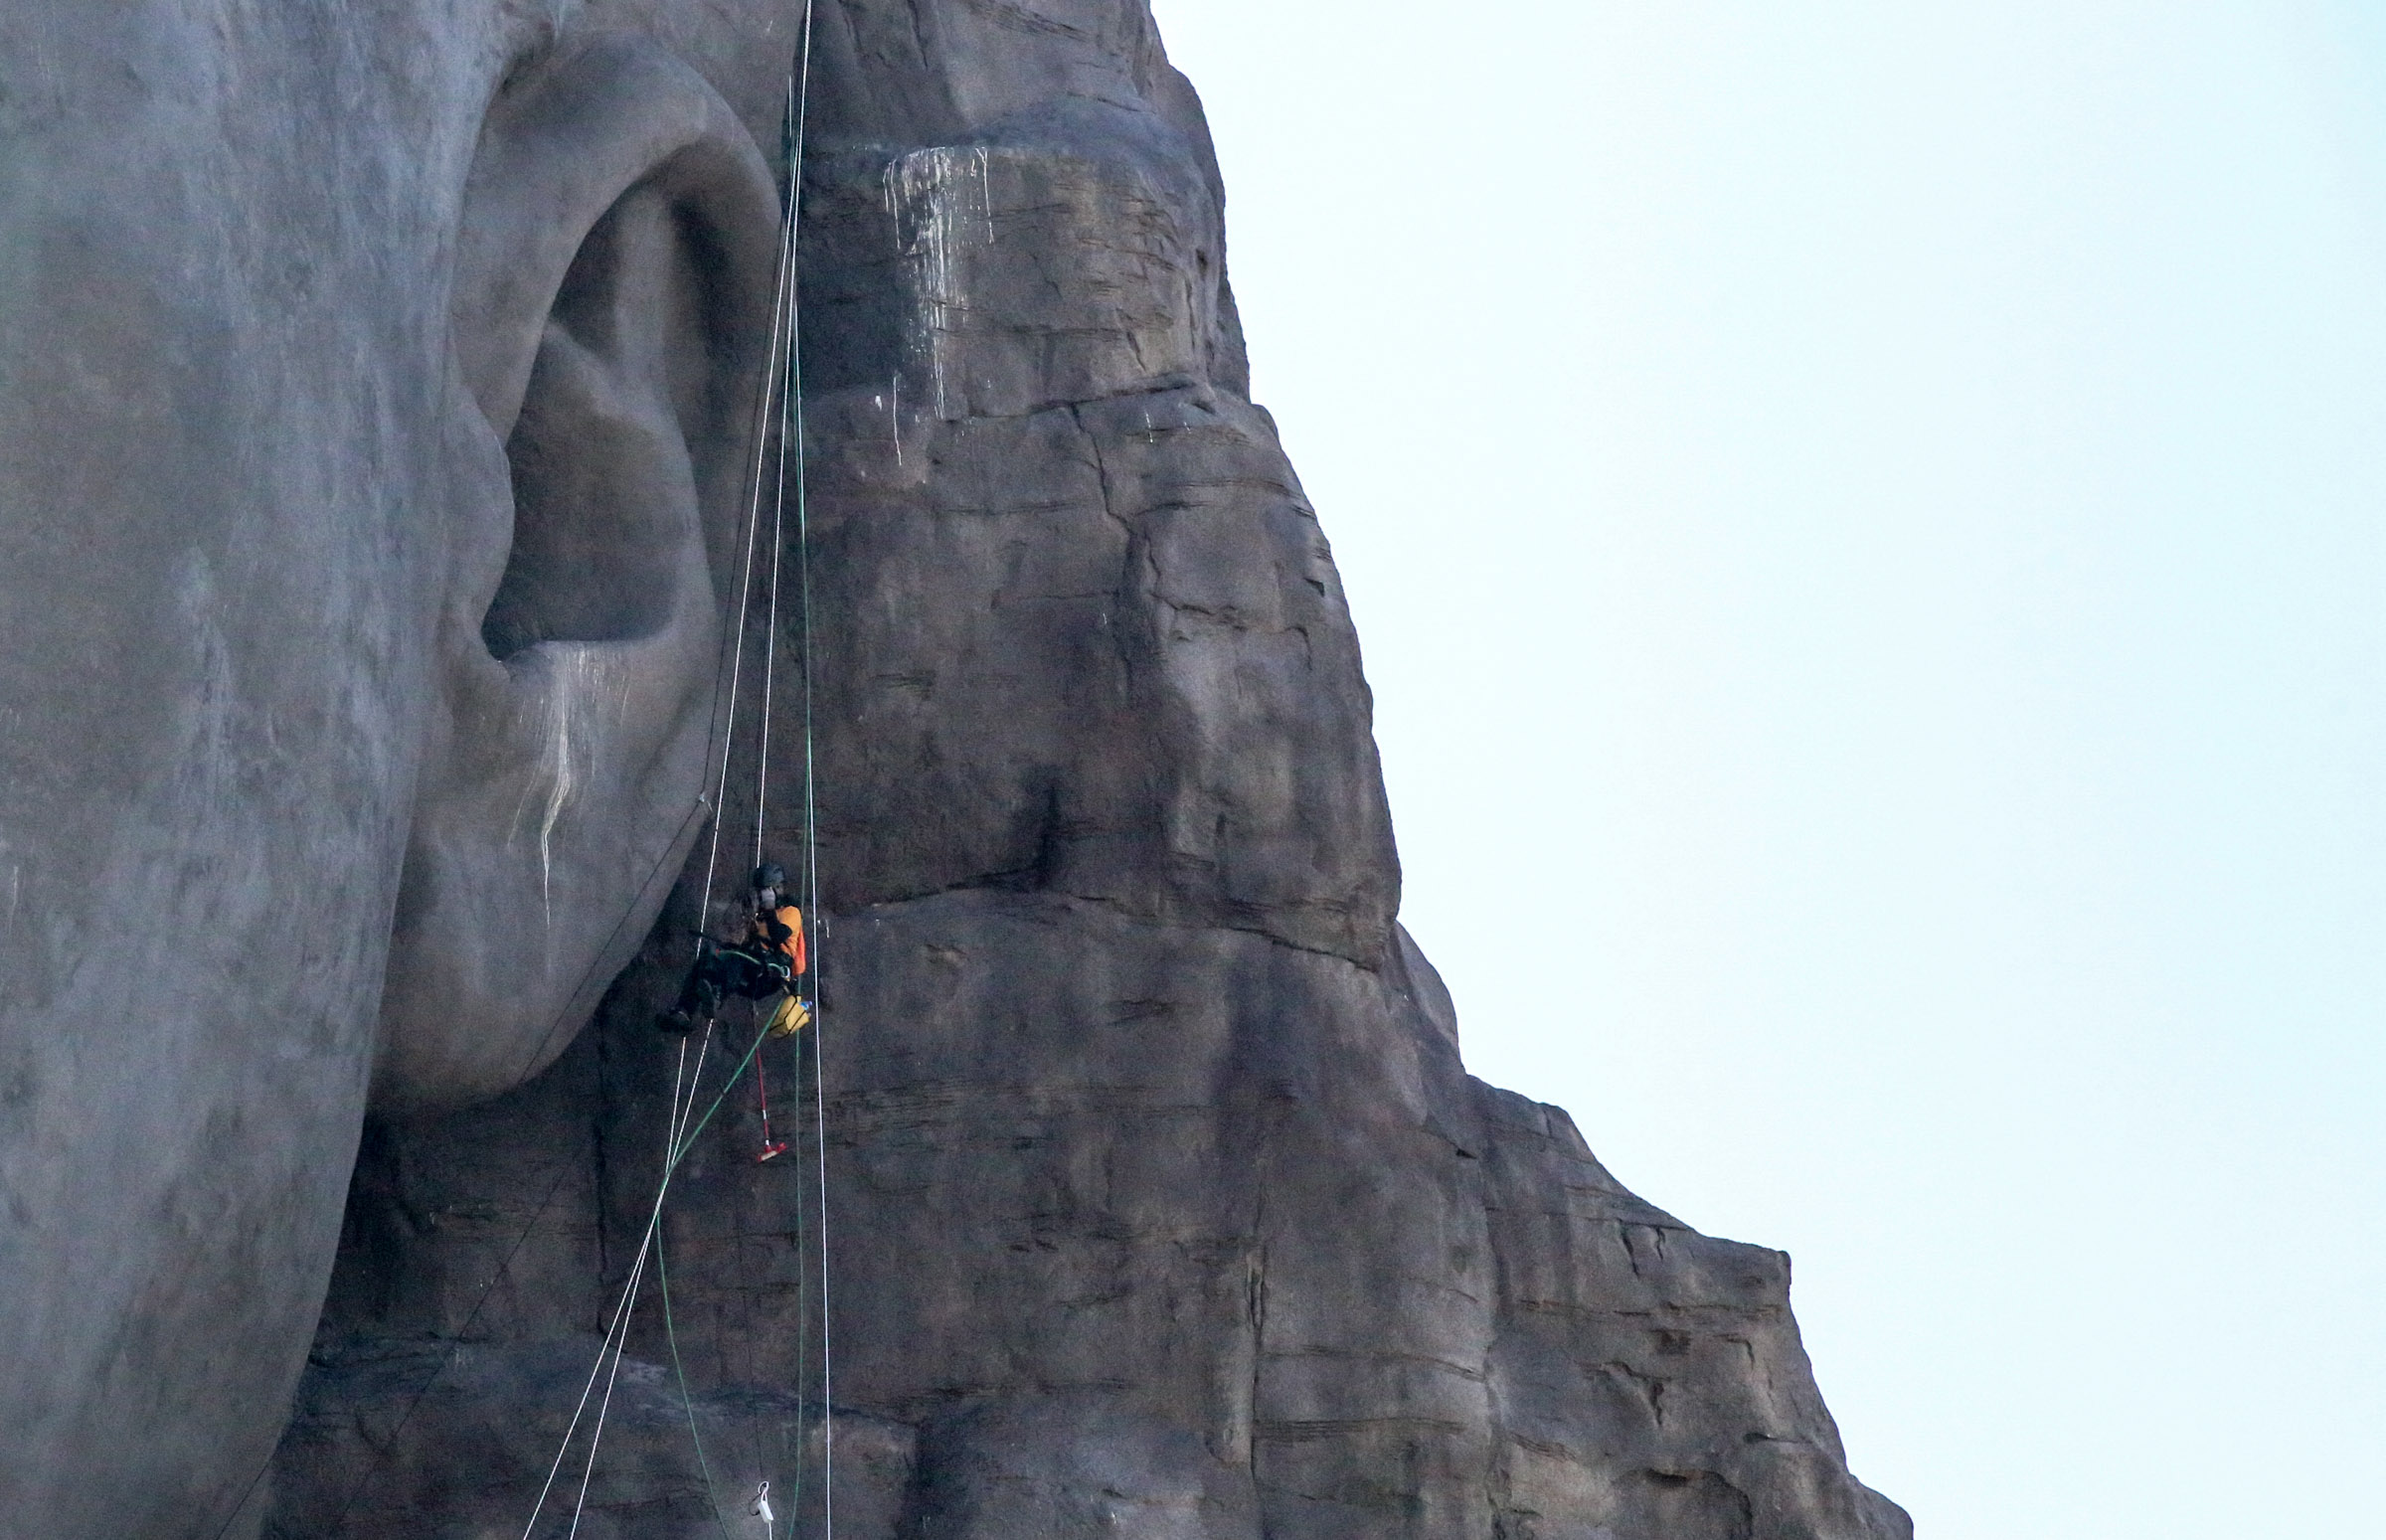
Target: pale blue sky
1868 523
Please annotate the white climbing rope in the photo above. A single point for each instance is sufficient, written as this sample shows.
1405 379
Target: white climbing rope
782 386
812 822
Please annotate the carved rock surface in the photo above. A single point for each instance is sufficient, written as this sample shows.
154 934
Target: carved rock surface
1160 1203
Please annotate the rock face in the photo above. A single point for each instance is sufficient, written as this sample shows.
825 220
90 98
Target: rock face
1158 1201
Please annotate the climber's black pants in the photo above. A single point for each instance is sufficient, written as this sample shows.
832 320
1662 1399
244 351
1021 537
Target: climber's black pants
729 971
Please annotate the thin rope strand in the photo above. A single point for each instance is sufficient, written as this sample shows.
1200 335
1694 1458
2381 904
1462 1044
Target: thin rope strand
674 1150
772 387
788 367
785 383
662 1278
619 1323
678 1116
679 1076
646 885
677 1139
637 1269
604 1409
804 1334
780 327
782 301
781 320
621 1313
712 1497
793 402
340 1525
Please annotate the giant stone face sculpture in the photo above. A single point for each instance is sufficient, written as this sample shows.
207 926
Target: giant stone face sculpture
375 396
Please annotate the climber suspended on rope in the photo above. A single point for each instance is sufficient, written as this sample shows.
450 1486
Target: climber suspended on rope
766 962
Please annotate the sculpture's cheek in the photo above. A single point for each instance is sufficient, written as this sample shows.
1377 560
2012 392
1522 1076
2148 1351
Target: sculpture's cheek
219 527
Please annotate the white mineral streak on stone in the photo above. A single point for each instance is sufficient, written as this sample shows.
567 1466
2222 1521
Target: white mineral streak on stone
560 782
565 681
939 198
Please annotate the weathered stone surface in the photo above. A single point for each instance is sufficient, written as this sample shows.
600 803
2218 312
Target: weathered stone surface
1160 1203
384 375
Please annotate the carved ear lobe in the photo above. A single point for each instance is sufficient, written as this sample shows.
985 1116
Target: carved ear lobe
611 315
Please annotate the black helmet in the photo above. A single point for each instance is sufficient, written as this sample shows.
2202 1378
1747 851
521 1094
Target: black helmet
770 875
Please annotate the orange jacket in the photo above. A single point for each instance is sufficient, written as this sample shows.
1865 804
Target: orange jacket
788 919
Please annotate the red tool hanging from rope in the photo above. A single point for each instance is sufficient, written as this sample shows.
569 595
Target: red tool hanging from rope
771 1149
794 1013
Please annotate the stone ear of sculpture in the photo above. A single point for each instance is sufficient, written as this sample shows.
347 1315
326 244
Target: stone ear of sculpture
610 310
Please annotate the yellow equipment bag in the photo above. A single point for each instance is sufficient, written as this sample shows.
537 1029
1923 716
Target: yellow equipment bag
792 1017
